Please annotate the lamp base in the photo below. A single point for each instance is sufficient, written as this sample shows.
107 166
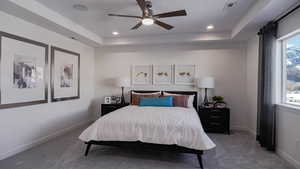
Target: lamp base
122 97
205 101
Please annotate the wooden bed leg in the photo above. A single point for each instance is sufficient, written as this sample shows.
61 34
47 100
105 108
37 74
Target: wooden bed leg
87 149
200 160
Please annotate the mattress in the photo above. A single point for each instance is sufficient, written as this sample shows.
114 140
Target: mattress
157 125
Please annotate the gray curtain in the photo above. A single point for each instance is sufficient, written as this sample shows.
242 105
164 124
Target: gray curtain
266 105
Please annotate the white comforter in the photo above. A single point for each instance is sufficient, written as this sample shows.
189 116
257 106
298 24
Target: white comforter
158 125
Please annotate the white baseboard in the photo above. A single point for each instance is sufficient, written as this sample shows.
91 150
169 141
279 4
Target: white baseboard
288 158
42 140
238 128
243 128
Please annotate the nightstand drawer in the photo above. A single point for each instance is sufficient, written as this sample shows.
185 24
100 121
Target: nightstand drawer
215 110
107 108
215 120
216 125
216 116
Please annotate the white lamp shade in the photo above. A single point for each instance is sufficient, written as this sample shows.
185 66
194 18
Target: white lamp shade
122 82
207 82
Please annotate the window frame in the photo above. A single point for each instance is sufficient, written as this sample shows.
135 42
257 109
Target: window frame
283 96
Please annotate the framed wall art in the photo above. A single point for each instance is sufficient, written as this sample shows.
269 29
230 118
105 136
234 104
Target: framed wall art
185 74
162 74
65 74
141 74
23 79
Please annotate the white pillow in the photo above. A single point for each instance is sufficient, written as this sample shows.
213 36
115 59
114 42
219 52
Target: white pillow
190 100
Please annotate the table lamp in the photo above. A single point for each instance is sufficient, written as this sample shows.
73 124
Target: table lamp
206 83
122 82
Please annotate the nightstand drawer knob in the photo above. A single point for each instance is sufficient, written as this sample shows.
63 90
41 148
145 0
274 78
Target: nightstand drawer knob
215 110
215 117
215 124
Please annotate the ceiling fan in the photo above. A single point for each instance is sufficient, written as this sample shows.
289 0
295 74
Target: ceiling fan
149 18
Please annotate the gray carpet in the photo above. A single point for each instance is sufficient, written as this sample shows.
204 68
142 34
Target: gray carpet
237 151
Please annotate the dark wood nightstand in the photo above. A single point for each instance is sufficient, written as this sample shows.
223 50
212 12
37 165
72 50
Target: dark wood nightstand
107 108
215 120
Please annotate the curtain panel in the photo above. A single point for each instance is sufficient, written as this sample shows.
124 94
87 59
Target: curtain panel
266 117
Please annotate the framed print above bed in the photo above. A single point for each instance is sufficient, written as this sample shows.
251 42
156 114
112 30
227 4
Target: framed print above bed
141 75
65 74
23 79
185 74
162 74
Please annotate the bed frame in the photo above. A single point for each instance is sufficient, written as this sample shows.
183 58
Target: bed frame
158 147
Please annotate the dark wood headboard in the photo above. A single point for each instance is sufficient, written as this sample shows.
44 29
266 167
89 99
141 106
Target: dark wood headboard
195 103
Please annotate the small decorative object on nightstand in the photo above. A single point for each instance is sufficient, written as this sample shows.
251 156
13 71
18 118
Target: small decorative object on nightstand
219 102
107 108
215 120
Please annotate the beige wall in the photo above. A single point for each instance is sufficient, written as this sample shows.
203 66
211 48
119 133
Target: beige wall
251 83
21 128
224 61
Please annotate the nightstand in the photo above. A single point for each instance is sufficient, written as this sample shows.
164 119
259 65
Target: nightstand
215 120
107 108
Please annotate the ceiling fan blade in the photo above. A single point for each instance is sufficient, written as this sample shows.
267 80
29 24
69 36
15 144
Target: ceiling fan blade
137 26
171 14
142 4
126 16
164 25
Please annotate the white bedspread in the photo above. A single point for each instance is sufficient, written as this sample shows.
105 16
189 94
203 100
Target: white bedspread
158 125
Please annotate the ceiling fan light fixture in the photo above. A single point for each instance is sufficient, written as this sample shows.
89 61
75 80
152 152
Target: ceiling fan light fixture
115 33
148 21
210 27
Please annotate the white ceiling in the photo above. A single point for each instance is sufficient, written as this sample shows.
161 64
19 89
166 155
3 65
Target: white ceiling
94 27
200 14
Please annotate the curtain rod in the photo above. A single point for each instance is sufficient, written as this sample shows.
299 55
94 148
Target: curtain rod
287 14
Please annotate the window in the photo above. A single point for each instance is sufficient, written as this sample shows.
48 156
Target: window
291 70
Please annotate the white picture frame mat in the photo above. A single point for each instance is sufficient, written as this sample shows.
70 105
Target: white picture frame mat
63 58
164 68
10 48
145 68
178 68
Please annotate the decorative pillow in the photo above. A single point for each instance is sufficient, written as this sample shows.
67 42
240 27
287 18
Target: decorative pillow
135 97
157 101
190 102
180 100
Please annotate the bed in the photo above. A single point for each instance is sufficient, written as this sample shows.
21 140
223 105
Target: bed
157 128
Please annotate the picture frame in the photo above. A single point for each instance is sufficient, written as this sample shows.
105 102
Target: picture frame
184 74
162 74
141 75
107 100
65 74
23 74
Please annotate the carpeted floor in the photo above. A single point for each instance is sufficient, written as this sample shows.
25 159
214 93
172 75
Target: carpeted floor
237 151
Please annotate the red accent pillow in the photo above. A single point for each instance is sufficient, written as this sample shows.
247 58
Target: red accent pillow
180 100
135 97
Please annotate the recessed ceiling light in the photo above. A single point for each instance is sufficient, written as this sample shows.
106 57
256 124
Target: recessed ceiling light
210 27
115 33
80 7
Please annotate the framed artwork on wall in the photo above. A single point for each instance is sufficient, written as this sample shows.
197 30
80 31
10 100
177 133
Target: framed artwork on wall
141 75
162 74
65 74
23 79
185 74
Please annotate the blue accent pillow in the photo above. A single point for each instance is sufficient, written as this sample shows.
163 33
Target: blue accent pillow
157 101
